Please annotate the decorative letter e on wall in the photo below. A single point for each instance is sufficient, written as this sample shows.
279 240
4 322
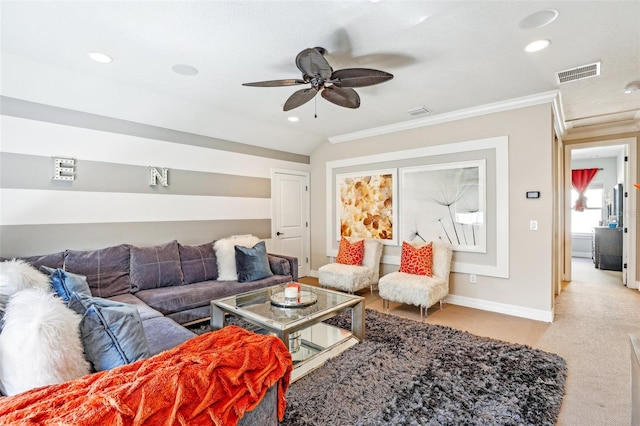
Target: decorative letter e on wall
162 175
64 169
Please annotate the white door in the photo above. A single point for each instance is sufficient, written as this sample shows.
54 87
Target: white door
290 224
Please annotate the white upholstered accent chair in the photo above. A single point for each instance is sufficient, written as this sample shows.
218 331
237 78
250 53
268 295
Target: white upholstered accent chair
351 278
419 290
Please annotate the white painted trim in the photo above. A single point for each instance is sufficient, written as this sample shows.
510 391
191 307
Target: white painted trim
558 115
501 146
501 308
313 273
522 102
35 206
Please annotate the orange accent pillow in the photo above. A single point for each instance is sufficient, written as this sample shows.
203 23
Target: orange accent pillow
350 253
417 260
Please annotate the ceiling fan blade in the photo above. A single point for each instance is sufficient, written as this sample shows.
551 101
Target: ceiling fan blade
359 77
344 97
311 63
276 83
299 98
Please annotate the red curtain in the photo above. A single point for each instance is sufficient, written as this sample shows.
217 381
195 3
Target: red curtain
580 179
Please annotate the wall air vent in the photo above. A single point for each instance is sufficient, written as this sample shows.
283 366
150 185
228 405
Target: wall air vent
579 73
418 111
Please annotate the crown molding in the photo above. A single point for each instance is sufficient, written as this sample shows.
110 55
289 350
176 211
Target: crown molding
537 99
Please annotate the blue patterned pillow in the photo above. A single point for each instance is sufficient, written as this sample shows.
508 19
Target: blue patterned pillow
252 263
111 332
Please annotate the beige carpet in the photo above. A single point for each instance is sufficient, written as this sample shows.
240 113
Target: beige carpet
594 316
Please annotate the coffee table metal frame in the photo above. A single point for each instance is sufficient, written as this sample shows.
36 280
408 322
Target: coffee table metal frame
303 323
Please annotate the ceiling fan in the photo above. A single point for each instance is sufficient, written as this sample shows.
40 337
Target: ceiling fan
335 86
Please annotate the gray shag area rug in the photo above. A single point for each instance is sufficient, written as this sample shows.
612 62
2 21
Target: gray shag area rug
411 373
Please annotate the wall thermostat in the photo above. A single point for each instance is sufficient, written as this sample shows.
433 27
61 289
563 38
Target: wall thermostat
533 194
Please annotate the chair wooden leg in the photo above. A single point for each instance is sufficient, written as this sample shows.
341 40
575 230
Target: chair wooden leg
423 313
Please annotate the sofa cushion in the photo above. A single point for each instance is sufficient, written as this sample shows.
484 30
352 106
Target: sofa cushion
154 267
112 332
252 263
40 343
144 310
198 263
64 283
279 265
170 300
107 269
53 260
164 333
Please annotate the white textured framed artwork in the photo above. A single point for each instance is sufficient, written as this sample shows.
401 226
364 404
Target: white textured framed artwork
445 202
366 205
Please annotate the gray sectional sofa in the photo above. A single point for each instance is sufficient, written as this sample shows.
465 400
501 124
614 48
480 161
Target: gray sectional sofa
171 284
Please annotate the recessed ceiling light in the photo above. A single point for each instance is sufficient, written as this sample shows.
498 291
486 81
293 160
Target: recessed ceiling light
539 19
632 87
537 45
293 119
100 57
183 69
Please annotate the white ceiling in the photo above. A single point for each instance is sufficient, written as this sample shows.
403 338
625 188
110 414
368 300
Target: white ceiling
445 55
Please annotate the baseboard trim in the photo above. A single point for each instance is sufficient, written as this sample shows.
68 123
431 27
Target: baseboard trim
501 308
485 305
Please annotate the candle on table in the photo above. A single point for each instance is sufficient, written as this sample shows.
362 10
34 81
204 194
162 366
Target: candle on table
291 292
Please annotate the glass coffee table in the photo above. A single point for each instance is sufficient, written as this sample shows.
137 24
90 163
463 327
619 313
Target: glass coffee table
298 323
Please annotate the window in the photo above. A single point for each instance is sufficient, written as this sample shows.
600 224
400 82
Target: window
585 221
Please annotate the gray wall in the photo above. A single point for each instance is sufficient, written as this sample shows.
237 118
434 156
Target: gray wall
216 187
528 289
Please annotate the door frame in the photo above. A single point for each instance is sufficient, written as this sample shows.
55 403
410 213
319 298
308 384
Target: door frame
304 265
630 213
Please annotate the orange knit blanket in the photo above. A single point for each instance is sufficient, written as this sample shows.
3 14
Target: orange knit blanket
210 379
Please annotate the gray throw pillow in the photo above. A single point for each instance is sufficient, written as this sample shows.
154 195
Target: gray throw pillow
53 260
64 283
107 269
252 263
198 263
155 267
111 332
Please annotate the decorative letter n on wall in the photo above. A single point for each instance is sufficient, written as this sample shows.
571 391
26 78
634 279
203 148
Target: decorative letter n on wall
162 175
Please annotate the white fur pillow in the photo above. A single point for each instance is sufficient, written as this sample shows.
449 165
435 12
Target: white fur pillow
226 254
16 275
40 343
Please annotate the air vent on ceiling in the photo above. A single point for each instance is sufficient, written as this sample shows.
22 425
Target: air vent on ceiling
418 111
579 73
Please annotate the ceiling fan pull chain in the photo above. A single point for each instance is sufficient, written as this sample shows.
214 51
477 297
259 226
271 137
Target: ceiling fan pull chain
315 106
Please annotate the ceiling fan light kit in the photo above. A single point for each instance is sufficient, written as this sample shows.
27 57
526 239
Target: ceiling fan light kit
335 86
